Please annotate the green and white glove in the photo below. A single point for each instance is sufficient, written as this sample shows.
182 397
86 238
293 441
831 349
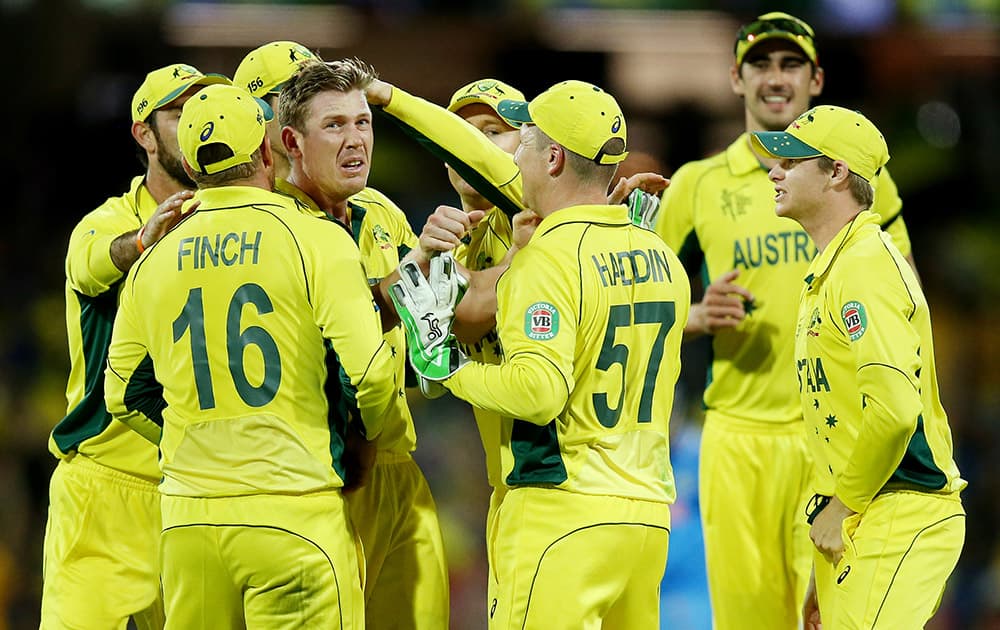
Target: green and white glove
427 307
642 208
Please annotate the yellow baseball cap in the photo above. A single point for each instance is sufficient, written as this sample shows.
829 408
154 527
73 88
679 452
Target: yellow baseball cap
776 25
836 132
489 92
222 114
264 70
165 84
580 116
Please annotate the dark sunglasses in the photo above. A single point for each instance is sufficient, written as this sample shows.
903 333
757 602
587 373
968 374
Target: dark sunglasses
775 25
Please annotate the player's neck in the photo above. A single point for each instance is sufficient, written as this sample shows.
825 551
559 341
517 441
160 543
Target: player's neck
161 185
335 207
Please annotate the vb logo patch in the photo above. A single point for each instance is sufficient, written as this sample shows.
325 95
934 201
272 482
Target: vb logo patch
541 321
855 319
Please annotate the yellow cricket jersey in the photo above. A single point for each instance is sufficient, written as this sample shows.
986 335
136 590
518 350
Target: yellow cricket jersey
866 374
721 209
92 286
591 315
384 236
492 172
229 311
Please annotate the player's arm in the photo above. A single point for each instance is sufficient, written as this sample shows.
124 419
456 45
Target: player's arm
346 315
131 393
442 232
485 166
475 315
886 352
534 381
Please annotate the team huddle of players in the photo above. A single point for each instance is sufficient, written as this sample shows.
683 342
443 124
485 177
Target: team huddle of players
243 323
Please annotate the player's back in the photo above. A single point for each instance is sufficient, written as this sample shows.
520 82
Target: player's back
234 305
627 297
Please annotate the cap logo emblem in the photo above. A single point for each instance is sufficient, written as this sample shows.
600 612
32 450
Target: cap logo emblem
206 131
616 124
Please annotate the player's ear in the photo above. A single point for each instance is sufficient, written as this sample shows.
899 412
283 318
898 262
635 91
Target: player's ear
736 81
187 167
144 135
556 159
291 139
816 81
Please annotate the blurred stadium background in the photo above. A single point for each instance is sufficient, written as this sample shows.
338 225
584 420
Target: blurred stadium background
926 71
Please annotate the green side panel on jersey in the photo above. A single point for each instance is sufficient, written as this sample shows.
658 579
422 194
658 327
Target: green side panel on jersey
918 467
144 393
537 458
340 396
90 416
471 176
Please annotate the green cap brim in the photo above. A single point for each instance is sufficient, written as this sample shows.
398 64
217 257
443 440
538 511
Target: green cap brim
514 111
208 79
783 145
266 108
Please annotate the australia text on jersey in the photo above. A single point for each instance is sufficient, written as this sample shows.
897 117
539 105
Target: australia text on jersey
773 249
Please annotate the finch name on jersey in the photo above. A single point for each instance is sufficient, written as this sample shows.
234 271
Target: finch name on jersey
773 249
218 249
632 267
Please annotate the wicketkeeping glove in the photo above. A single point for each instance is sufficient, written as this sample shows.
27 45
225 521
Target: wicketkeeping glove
642 208
426 308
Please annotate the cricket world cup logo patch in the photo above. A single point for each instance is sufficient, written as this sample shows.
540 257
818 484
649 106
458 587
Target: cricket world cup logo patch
855 319
541 321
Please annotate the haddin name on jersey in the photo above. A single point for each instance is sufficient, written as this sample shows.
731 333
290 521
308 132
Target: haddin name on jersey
632 267
218 249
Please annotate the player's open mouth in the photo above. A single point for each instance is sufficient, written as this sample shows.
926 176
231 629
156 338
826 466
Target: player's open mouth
353 166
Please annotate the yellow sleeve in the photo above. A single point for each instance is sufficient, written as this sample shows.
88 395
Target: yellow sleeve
886 351
889 207
536 377
676 220
89 268
131 392
485 166
347 316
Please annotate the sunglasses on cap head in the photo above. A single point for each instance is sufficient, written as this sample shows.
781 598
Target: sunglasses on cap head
754 29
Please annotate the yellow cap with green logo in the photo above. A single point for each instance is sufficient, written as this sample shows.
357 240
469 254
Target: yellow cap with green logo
580 116
265 69
488 92
776 25
222 114
836 132
164 85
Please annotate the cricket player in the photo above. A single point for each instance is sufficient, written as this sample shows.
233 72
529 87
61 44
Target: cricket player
230 311
887 524
485 234
590 314
104 514
326 128
263 72
718 215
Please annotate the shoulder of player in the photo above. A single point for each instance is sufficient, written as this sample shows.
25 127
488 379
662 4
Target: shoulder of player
869 264
375 201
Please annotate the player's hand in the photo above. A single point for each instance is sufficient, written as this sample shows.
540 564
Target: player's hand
723 306
525 222
652 183
165 217
445 229
642 208
810 608
378 93
426 308
826 530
